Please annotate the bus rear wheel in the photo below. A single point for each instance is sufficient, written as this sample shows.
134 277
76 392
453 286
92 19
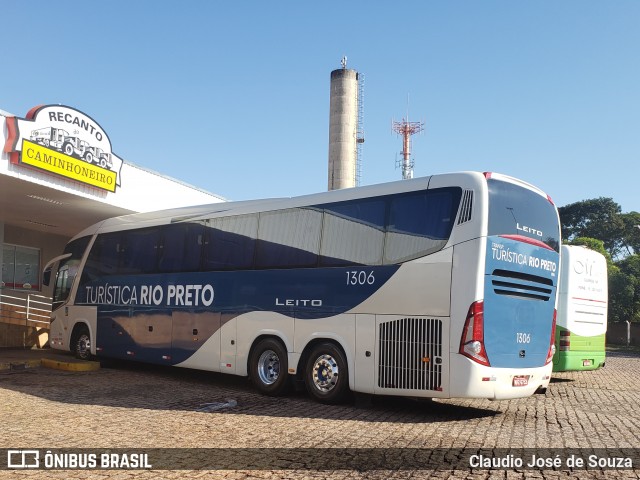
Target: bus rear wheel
268 367
326 376
82 344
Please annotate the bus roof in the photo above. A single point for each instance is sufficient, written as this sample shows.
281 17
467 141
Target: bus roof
200 212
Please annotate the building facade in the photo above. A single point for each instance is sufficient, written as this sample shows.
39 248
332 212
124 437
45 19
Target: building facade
59 175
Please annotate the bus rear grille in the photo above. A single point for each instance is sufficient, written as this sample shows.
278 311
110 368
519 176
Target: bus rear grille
411 354
522 285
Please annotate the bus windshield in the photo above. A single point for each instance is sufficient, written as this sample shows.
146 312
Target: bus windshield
514 210
67 270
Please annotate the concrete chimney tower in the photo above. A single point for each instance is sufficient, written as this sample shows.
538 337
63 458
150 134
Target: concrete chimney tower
344 127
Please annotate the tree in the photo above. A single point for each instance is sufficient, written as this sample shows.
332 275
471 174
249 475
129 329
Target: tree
631 237
593 244
600 225
621 292
628 284
599 218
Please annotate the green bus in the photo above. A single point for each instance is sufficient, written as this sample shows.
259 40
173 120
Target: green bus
582 310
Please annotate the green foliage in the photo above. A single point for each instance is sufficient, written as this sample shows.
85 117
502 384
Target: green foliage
599 225
592 244
631 237
629 284
596 218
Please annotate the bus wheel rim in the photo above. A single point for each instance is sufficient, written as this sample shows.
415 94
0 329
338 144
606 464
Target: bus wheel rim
268 367
84 344
325 373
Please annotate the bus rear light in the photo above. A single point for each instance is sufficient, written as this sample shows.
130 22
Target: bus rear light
552 342
565 333
487 175
472 341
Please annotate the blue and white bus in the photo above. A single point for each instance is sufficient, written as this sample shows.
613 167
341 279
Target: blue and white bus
443 286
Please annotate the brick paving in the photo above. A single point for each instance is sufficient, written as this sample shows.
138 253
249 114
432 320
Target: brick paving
142 407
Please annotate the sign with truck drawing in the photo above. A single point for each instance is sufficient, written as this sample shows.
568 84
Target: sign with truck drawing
66 142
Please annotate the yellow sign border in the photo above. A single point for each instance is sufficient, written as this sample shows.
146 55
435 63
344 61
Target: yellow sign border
59 163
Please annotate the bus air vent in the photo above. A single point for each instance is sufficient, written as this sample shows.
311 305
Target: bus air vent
410 354
522 285
466 207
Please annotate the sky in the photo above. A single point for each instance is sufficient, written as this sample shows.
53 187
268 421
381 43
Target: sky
233 97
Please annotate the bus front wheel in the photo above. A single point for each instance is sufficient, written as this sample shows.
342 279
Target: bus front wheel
268 366
326 376
82 344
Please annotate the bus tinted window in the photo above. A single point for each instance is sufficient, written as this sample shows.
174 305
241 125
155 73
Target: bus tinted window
230 243
139 251
353 233
105 255
420 223
289 238
181 247
514 210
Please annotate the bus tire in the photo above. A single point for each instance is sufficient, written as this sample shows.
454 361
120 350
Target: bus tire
326 375
268 367
82 343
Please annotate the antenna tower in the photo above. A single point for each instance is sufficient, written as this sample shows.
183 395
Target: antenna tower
406 129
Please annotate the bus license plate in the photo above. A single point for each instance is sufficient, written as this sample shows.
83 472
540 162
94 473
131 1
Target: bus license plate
520 381
586 363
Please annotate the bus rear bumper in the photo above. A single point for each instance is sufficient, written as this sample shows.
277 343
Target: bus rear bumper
472 380
577 360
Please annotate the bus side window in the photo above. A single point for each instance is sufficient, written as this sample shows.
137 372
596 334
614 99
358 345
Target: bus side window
103 258
230 243
289 238
139 251
353 233
181 247
420 223
105 255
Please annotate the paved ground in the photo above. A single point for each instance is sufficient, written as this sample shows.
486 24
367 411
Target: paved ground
140 407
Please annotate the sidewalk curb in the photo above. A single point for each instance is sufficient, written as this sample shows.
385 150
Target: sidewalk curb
19 365
70 366
49 363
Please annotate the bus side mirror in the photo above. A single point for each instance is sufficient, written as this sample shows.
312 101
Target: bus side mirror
46 277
